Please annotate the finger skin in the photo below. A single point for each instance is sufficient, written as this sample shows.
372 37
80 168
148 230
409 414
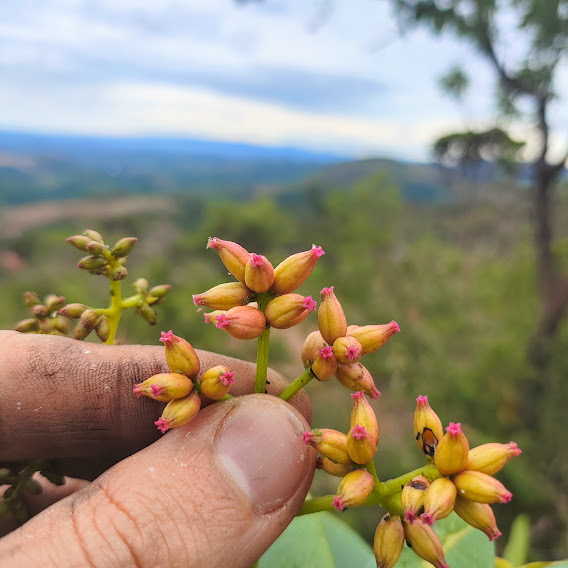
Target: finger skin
172 504
66 399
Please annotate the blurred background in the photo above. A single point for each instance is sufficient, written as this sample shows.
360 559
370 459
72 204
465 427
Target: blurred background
422 143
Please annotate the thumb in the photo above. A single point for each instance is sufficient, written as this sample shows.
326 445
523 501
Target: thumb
217 492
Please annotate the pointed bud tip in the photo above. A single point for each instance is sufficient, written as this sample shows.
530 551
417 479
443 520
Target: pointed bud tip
309 304
514 448
326 291
358 395
395 328
306 437
326 352
137 390
255 259
221 321
427 519
409 517
506 497
359 432
317 251
212 242
156 390
227 378
166 337
375 393
494 536
454 429
422 400
162 425
198 299
337 504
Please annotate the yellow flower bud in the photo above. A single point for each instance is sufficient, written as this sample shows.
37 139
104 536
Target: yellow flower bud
439 500
389 540
490 458
347 350
356 377
233 256
478 515
412 497
451 453
480 487
333 468
353 490
324 365
164 387
372 337
224 296
259 273
179 412
428 430
295 270
312 344
363 437
123 247
329 443
425 543
288 310
216 382
180 355
331 318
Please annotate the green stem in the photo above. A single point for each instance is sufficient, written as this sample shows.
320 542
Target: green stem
115 310
392 486
262 361
297 384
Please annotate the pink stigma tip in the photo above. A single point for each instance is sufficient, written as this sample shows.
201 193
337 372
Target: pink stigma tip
375 393
155 390
507 497
338 504
221 321
454 429
422 400
212 242
326 352
306 436
514 448
327 292
394 327
409 517
352 353
227 378
427 519
318 251
162 425
167 337
494 536
359 395
359 432
255 259
198 299
137 390
309 304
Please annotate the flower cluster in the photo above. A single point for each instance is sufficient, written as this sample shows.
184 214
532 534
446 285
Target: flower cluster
180 388
45 318
336 348
263 296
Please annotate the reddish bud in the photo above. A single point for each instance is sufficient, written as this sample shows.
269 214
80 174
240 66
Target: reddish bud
224 296
371 337
439 500
363 437
331 318
293 271
179 412
180 355
412 497
389 540
347 350
233 256
428 430
481 488
312 344
242 322
164 387
451 453
353 490
329 443
216 382
478 515
490 458
356 377
288 310
324 365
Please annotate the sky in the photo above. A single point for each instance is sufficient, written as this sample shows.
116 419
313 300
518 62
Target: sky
324 75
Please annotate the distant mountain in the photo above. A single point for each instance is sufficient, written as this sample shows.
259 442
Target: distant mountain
37 167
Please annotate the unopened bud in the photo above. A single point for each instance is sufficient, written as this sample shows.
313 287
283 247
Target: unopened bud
40 311
425 543
324 365
54 303
148 313
31 299
73 310
288 310
224 296
180 355
103 329
439 500
87 323
157 294
478 515
389 540
347 350
490 458
94 264
357 377
27 325
123 247
451 454
216 382
363 437
293 271
94 235
312 344
118 273
141 286
353 490
233 256
428 430
242 322
96 248
164 387
412 497
61 324
79 241
329 443
259 273
331 318
481 488
179 412
333 468
371 337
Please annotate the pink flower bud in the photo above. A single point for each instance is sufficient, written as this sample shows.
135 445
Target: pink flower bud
347 350
224 296
478 515
481 488
295 270
216 382
356 377
259 273
389 541
353 490
363 437
371 337
428 429
451 453
312 344
439 500
180 355
412 497
233 256
164 387
331 318
329 443
288 310
179 412
490 458
242 322
425 543
324 365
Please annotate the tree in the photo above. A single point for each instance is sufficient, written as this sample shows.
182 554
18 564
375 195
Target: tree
542 25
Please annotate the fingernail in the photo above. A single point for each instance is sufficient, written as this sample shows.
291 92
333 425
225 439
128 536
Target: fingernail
260 445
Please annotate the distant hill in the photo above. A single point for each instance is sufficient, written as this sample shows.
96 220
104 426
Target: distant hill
48 167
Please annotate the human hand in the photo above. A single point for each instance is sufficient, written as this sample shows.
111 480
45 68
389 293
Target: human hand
216 492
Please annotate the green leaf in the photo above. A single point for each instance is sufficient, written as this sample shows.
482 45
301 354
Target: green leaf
463 546
518 545
319 540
